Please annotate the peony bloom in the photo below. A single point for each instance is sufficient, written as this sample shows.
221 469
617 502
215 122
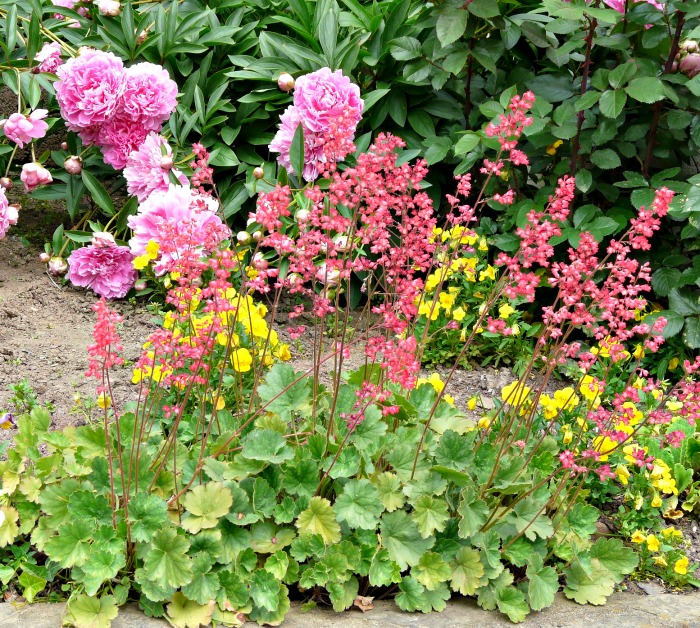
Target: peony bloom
282 142
106 268
66 4
118 138
89 88
110 8
148 168
150 95
33 175
329 107
48 58
23 129
324 96
8 214
176 219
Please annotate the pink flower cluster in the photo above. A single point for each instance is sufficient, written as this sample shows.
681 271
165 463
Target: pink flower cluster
113 107
328 107
22 129
104 267
104 353
178 220
8 214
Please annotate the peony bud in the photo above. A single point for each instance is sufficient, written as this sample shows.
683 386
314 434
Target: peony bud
141 38
259 261
141 285
110 8
44 258
257 235
58 266
258 173
285 82
689 45
249 222
166 162
33 175
302 216
342 243
327 276
6 182
243 237
102 239
674 66
64 145
690 65
73 165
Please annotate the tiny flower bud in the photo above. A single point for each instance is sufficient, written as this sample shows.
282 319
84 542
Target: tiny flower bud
302 216
273 540
141 38
166 162
109 8
44 258
58 266
286 82
6 182
342 244
257 235
258 173
240 516
243 237
73 165
64 145
141 285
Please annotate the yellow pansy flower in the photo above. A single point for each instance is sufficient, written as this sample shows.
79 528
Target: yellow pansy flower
515 393
660 560
458 314
489 273
590 388
622 473
104 401
505 310
681 566
638 537
552 148
434 380
673 364
604 446
283 353
653 543
567 398
656 502
242 360
471 404
567 434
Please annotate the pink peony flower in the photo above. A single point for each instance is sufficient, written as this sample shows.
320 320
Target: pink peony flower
148 168
282 142
8 214
118 138
48 58
23 129
33 175
66 4
619 5
176 217
150 95
324 96
89 88
107 269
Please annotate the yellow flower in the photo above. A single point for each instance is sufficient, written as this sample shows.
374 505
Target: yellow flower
550 406
471 404
681 566
483 246
434 380
660 560
674 406
450 399
241 360
671 532
673 364
429 310
638 352
152 249
140 262
505 310
489 273
656 502
484 423
447 300
283 353
567 435
515 329
434 279
104 401
638 537
566 397
604 446
552 148
590 388
653 543
515 394
622 473
458 314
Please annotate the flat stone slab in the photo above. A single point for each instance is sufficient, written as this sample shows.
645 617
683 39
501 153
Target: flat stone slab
623 610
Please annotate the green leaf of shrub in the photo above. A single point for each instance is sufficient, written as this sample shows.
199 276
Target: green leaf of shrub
412 596
282 395
646 89
319 518
606 159
265 590
451 24
383 571
358 505
343 594
71 546
473 513
296 152
205 505
31 585
430 515
612 102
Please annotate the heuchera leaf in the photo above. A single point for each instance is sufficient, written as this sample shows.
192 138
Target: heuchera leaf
205 505
431 570
185 613
543 584
84 611
319 518
467 571
147 514
401 538
359 505
166 561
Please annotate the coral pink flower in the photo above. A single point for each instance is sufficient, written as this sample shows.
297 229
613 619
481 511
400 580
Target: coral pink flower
48 58
105 268
89 88
150 95
33 175
323 96
148 168
174 217
23 129
8 214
